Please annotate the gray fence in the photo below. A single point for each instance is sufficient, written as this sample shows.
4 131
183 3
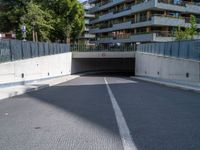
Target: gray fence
189 49
11 50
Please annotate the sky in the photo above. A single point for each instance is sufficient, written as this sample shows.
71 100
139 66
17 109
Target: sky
82 0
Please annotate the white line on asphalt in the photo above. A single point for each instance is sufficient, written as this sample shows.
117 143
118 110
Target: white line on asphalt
128 143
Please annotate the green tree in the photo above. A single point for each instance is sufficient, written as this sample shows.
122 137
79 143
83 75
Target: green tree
38 21
181 34
192 29
68 18
78 23
189 32
10 14
56 20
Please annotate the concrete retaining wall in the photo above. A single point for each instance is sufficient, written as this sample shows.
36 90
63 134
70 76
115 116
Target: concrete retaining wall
167 67
35 68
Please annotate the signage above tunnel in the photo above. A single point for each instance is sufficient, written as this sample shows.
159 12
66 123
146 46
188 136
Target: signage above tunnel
126 54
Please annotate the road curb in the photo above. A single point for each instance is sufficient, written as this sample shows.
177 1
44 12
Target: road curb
37 87
174 85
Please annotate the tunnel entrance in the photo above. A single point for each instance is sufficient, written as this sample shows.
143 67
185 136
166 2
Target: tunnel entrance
109 65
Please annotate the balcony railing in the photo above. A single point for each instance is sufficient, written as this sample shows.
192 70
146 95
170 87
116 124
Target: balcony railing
121 10
163 33
106 26
180 3
122 36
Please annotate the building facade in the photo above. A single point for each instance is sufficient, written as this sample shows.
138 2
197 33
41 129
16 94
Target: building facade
86 37
9 35
132 21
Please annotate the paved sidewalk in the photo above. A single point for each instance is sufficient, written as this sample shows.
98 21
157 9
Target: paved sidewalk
21 89
186 85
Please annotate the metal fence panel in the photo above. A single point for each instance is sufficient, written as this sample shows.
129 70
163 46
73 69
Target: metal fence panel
26 48
157 48
180 49
67 48
56 48
16 47
34 49
175 49
51 49
146 48
46 49
184 49
150 50
194 50
5 51
139 47
62 48
41 49
162 48
168 49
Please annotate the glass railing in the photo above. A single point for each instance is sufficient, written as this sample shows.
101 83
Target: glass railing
121 10
163 33
180 3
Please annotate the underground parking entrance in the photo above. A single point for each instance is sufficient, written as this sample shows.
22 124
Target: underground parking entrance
106 65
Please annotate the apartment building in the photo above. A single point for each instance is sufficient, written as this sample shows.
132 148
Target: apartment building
86 37
140 21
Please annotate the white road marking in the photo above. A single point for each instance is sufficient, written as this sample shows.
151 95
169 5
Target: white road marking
128 143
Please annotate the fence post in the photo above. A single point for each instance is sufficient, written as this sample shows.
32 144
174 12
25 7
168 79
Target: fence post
22 50
179 43
11 52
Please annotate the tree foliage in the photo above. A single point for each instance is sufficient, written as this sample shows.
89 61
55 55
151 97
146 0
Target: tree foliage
54 20
189 32
38 20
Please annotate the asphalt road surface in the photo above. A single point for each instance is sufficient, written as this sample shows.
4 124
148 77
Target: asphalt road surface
88 114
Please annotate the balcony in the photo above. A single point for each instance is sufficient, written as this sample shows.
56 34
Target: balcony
104 40
109 28
148 4
106 5
183 6
155 20
163 20
156 36
89 36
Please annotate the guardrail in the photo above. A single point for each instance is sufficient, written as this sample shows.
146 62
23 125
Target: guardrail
11 50
85 48
188 49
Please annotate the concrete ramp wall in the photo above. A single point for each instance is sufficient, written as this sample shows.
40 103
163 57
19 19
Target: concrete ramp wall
152 65
35 68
